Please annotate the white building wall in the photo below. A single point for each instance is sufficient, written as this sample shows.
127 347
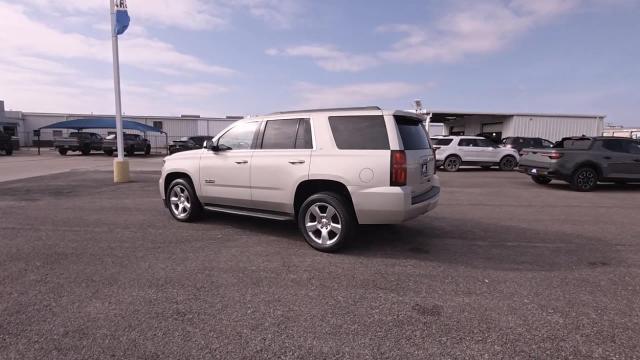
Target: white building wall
553 128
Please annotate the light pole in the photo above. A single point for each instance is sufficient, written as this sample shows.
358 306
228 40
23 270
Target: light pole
120 165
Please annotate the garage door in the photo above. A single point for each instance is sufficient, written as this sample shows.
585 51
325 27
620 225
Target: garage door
492 128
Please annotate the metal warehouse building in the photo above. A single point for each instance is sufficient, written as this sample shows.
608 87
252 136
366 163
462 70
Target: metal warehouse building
22 124
497 126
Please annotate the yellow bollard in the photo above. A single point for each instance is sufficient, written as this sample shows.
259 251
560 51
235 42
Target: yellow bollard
120 171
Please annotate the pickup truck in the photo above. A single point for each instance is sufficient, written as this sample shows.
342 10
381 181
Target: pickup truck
79 141
132 143
584 161
188 143
6 144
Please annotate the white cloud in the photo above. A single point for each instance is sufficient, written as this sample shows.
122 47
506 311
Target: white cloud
315 96
186 14
195 90
278 13
328 57
40 70
472 28
40 40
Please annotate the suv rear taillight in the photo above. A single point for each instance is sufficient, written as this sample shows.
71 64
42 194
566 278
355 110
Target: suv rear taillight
554 155
398 168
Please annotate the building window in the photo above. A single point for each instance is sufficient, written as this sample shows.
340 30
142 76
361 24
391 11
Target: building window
57 133
158 125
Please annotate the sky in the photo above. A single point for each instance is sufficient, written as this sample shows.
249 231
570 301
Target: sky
249 57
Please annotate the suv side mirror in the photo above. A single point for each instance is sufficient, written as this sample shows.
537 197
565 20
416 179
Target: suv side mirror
212 146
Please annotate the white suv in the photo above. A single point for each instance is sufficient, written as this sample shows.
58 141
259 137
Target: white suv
327 169
455 151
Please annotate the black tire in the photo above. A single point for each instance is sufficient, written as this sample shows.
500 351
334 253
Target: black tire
86 150
109 152
8 151
452 163
183 187
542 180
131 151
343 216
508 163
147 150
584 179
62 152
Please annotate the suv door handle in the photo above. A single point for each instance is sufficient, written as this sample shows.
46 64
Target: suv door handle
296 162
607 157
242 162
637 160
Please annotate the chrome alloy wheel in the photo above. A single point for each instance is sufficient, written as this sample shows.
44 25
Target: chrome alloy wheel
323 223
180 202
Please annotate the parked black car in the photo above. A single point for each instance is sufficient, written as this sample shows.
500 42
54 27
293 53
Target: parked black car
132 143
188 143
584 161
6 144
84 142
520 143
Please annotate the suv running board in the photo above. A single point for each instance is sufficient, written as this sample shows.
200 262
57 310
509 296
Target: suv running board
249 212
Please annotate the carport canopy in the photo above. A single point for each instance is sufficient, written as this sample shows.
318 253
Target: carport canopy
102 123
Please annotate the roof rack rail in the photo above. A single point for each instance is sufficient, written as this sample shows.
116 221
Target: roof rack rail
362 108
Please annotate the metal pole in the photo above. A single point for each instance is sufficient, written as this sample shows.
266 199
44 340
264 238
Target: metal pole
116 83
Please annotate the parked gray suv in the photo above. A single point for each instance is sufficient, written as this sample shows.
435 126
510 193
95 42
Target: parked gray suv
584 161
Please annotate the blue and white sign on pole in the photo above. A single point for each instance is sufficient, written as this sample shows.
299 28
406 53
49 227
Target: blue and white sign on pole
119 24
122 17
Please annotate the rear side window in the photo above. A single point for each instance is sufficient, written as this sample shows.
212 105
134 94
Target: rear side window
576 144
468 142
441 142
303 139
621 146
367 132
414 135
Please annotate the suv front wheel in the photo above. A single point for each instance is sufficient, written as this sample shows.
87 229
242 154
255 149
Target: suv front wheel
182 201
326 221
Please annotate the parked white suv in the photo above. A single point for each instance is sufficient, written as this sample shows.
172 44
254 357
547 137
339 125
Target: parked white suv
455 151
327 169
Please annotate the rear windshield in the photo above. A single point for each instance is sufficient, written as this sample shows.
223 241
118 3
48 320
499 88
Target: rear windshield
441 142
367 132
576 144
414 135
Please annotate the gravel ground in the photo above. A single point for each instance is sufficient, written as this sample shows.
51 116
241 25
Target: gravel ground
503 268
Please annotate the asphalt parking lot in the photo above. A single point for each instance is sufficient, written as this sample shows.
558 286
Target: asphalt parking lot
503 268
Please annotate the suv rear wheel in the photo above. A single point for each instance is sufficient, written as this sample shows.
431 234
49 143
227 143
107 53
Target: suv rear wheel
452 163
326 221
62 151
584 179
182 201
